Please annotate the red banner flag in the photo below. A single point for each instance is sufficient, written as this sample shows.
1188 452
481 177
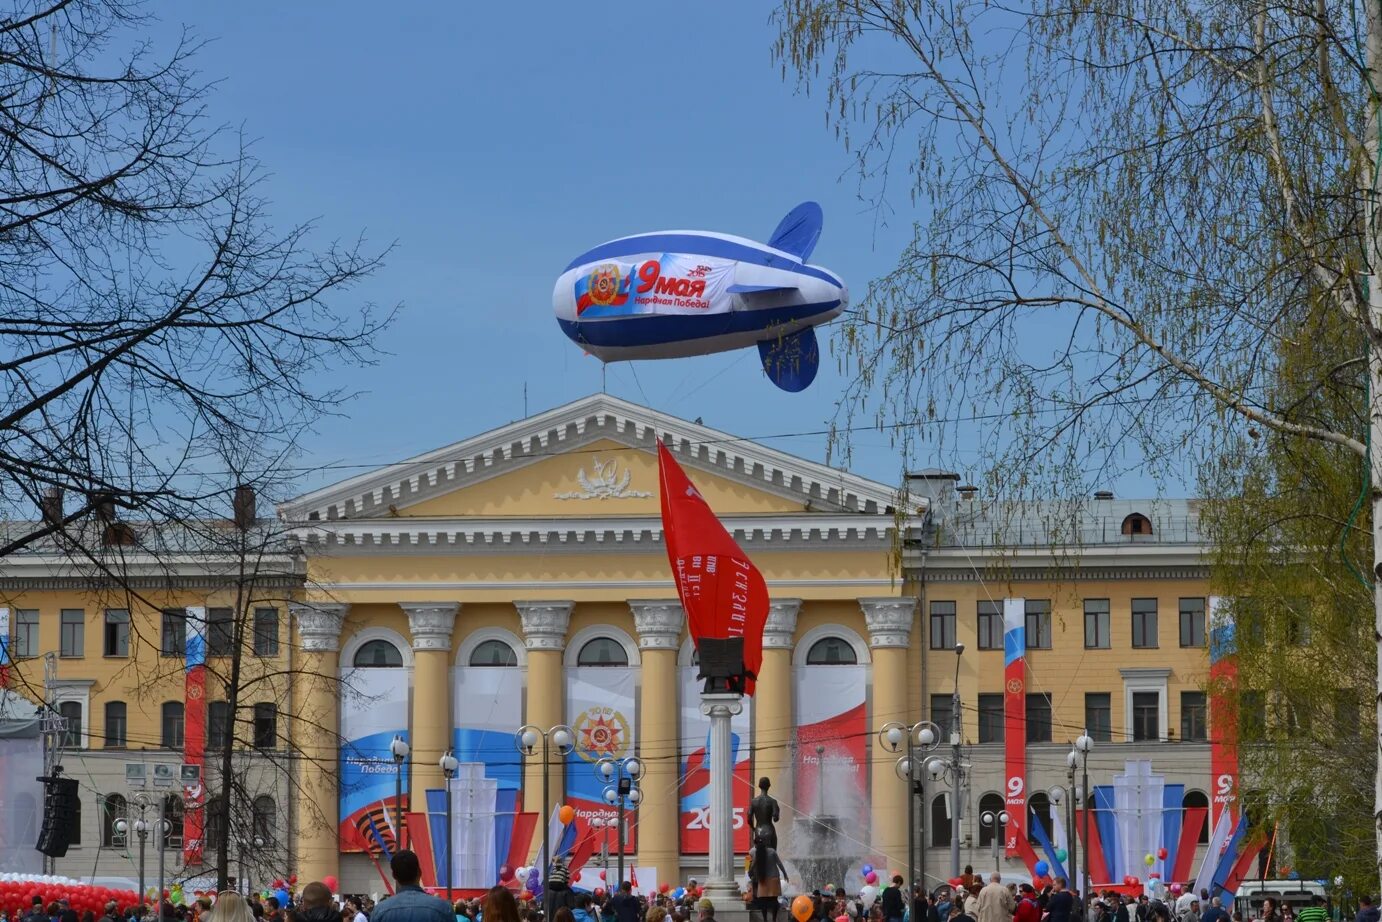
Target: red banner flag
722 591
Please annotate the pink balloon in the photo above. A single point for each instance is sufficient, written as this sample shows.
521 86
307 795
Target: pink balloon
872 877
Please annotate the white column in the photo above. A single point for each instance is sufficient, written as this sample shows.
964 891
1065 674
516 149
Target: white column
721 708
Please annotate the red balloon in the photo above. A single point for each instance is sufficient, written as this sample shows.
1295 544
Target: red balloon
602 875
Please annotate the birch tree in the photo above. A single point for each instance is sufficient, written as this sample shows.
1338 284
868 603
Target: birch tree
1125 214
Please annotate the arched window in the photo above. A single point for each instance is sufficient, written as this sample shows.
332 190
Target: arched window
991 802
602 651
1198 799
173 725
1137 524
264 823
493 653
113 807
378 654
1038 809
940 821
835 651
213 831
172 812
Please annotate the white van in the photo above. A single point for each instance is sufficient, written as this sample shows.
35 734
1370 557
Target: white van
1293 893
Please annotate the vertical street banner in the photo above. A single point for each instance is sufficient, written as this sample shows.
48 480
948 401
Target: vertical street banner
1223 725
194 735
374 709
4 647
832 716
600 709
694 770
1015 721
488 706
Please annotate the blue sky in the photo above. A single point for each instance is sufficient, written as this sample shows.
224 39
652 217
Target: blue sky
492 143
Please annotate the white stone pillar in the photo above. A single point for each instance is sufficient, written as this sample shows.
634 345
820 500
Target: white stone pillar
721 888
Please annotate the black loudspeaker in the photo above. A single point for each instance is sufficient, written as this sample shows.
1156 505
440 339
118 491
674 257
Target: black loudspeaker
722 664
59 815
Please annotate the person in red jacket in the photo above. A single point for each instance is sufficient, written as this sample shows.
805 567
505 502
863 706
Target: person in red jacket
1027 909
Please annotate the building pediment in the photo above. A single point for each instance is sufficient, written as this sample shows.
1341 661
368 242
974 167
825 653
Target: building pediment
591 458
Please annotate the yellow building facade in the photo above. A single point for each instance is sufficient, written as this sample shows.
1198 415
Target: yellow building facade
518 577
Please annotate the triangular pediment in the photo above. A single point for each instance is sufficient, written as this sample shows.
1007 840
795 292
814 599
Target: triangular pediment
593 457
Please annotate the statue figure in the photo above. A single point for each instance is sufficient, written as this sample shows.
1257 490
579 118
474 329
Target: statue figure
764 814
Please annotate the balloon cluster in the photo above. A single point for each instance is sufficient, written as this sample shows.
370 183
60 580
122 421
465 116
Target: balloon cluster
17 892
870 875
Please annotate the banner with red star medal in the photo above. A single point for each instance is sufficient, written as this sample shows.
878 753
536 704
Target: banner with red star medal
600 708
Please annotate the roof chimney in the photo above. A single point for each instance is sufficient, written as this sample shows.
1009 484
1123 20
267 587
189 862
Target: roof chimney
104 506
1103 494
936 485
243 505
50 505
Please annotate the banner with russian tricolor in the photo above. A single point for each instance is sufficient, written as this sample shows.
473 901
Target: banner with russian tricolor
374 709
1223 728
600 708
194 735
694 780
4 647
1015 721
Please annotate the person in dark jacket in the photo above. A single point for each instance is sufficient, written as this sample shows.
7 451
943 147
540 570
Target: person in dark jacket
894 907
316 905
1367 910
1060 903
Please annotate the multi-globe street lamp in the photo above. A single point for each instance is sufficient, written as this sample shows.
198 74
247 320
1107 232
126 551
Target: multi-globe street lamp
449 765
399 750
621 776
920 738
1084 745
561 740
997 822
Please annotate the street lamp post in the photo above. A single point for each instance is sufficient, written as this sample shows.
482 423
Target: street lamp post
1071 758
399 750
164 827
920 737
140 828
956 739
622 789
1084 745
562 739
997 822
449 766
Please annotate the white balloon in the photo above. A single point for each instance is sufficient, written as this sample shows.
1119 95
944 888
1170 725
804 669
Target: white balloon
867 895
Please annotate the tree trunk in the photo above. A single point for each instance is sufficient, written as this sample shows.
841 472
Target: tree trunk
1368 183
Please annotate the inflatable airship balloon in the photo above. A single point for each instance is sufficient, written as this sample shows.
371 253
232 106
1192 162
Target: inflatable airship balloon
672 294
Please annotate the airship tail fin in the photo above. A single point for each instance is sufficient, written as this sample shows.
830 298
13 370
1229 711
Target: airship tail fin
791 361
798 232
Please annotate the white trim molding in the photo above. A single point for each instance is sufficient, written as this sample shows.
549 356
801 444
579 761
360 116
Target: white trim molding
478 636
1146 679
847 634
365 635
585 635
78 690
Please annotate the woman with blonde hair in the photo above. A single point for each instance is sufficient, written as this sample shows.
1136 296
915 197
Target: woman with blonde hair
231 907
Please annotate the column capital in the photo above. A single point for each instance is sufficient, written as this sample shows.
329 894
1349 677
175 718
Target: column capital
319 624
889 620
544 624
658 622
431 623
781 626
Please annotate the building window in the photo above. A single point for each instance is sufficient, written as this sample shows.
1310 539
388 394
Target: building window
117 726
1098 716
112 808
26 633
378 654
266 725
942 625
213 833
1346 713
220 631
71 714
602 651
1038 811
992 802
1038 624
1039 718
1144 634
173 813
493 653
1198 799
1194 724
990 719
264 820
266 632
990 625
1137 524
1096 627
117 636
174 640
72 636
1146 716
1192 622
217 724
831 651
942 714
173 725
940 821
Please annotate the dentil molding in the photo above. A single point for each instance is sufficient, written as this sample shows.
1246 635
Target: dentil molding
431 623
319 625
781 625
544 624
658 622
889 621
